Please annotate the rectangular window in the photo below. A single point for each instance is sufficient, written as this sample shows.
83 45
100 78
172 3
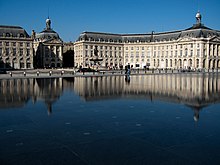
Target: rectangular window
28 52
14 51
21 52
7 51
28 65
91 53
21 65
198 52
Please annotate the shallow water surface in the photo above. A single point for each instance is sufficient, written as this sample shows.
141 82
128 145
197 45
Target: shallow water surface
111 120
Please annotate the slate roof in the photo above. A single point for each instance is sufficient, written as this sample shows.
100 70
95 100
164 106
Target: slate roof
13 31
196 31
48 34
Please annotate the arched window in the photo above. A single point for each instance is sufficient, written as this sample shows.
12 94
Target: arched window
197 63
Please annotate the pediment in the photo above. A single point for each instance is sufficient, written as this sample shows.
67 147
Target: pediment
215 39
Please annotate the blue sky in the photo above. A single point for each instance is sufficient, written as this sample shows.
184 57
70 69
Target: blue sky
71 17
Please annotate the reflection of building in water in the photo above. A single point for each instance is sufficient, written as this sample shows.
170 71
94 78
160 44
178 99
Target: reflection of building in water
17 92
99 87
48 90
193 90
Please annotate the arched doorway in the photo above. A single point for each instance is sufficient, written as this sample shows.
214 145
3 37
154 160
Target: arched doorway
190 63
197 63
185 65
210 64
203 64
218 64
180 63
213 65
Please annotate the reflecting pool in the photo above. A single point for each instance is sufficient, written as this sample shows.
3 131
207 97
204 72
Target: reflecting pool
167 119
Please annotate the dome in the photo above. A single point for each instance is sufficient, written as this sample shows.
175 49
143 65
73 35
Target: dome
47 35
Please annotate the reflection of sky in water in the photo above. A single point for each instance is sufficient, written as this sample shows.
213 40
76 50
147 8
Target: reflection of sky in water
113 130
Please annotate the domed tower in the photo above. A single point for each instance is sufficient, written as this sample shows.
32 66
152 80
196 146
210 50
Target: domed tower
48 47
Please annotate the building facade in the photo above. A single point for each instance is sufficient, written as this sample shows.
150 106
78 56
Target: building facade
194 48
48 48
16 48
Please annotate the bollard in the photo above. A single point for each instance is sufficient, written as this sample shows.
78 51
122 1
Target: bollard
50 73
37 73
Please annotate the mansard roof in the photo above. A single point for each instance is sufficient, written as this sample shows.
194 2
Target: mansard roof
13 31
196 31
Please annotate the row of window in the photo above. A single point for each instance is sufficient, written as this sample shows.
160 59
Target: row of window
14 44
20 35
137 48
176 63
14 51
102 47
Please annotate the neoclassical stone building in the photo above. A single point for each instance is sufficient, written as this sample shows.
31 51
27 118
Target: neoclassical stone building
16 48
48 48
196 47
